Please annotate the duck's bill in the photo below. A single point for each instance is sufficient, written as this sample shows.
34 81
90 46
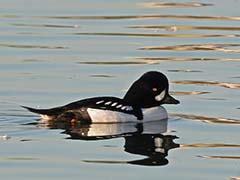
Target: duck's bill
170 100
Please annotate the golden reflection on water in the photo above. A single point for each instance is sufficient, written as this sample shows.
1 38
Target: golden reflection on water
168 4
204 33
220 157
206 119
197 47
235 178
200 145
195 82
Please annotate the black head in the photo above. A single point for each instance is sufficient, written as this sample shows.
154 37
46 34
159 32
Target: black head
150 90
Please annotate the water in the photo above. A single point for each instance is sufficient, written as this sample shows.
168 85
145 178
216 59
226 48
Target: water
55 52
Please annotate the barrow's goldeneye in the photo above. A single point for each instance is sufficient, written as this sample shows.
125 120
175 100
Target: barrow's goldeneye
141 103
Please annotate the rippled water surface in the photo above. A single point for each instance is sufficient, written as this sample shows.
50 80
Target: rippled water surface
55 52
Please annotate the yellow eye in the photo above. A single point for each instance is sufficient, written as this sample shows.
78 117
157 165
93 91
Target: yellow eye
154 89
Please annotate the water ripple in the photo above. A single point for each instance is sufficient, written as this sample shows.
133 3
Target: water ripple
22 158
177 28
31 46
185 59
168 4
197 47
201 145
215 99
220 157
206 119
46 25
189 93
183 70
130 17
102 76
222 84
157 35
115 62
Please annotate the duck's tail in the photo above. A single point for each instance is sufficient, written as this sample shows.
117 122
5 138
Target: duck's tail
45 113
38 111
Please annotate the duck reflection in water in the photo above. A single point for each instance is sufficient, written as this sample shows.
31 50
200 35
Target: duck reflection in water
145 139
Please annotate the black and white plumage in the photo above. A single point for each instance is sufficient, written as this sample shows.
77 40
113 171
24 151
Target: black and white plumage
141 103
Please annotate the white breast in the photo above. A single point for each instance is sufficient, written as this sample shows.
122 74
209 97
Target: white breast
107 116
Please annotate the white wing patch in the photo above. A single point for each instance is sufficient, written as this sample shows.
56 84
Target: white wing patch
160 96
108 103
114 104
124 108
119 106
99 102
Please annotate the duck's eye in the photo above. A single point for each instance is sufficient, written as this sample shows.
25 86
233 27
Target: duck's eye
154 89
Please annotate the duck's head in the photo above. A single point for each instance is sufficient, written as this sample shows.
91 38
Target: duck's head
150 90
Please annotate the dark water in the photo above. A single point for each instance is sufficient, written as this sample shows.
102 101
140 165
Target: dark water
55 52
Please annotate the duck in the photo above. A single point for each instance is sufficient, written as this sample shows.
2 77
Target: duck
142 102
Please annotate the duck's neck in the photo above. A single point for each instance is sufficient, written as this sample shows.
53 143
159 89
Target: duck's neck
140 101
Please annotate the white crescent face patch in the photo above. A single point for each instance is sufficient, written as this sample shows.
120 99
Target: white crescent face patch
160 96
